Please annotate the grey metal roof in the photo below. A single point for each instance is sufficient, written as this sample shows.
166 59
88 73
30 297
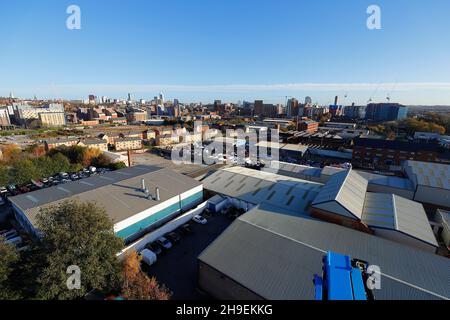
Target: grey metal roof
258 187
347 188
389 211
394 182
117 191
295 170
429 174
276 254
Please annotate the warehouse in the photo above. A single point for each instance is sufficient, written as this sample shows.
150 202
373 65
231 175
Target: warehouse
431 182
247 188
399 219
268 253
376 182
129 197
341 200
389 184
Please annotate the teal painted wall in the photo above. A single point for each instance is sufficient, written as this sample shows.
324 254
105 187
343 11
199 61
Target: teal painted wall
158 216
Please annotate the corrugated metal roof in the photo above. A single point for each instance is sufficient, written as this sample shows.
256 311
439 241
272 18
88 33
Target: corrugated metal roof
347 188
263 187
276 254
429 174
394 182
390 211
117 191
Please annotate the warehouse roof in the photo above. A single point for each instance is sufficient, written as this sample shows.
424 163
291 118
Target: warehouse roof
263 187
388 211
276 255
117 191
295 147
348 189
295 170
430 174
394 182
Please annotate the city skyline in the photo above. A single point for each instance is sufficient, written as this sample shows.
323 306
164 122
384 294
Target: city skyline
228 50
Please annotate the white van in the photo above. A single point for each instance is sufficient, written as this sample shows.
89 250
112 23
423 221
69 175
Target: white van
148 256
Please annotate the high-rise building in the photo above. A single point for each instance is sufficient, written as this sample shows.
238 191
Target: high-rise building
292 108
52 119
308 100
386 112
258 108
355 112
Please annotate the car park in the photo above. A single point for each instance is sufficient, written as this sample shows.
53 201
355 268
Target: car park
164 243
173 237
199 219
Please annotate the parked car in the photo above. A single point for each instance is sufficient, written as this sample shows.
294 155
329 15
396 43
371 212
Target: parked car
185 229
199 219
153 247
164 243
38 183
63 175
173 237
24 189
3 191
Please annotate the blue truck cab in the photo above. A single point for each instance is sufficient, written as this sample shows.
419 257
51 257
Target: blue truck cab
343 278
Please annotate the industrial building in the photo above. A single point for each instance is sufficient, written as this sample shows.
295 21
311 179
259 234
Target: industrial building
398 219
377 153
137 198
247 188
272 253
431 182
342 198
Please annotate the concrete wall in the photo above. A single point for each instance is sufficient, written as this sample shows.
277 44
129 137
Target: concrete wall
159 213
168 227
220 286
435 196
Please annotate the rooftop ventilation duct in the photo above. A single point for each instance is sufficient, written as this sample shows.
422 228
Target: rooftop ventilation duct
157 196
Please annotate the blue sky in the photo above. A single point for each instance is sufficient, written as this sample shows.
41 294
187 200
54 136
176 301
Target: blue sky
200 50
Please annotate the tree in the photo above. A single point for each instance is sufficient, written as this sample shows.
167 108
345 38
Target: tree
4 175
136 285
23 171
117 165
77 234
89 155
10 153
8 259
60 163
35 150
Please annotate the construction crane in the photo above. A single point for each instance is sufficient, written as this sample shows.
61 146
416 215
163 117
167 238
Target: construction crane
388 96
373 94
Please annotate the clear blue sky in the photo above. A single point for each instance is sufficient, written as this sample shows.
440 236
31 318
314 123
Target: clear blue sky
200 50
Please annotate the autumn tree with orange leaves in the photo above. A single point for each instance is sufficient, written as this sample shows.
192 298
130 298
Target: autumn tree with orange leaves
137 286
